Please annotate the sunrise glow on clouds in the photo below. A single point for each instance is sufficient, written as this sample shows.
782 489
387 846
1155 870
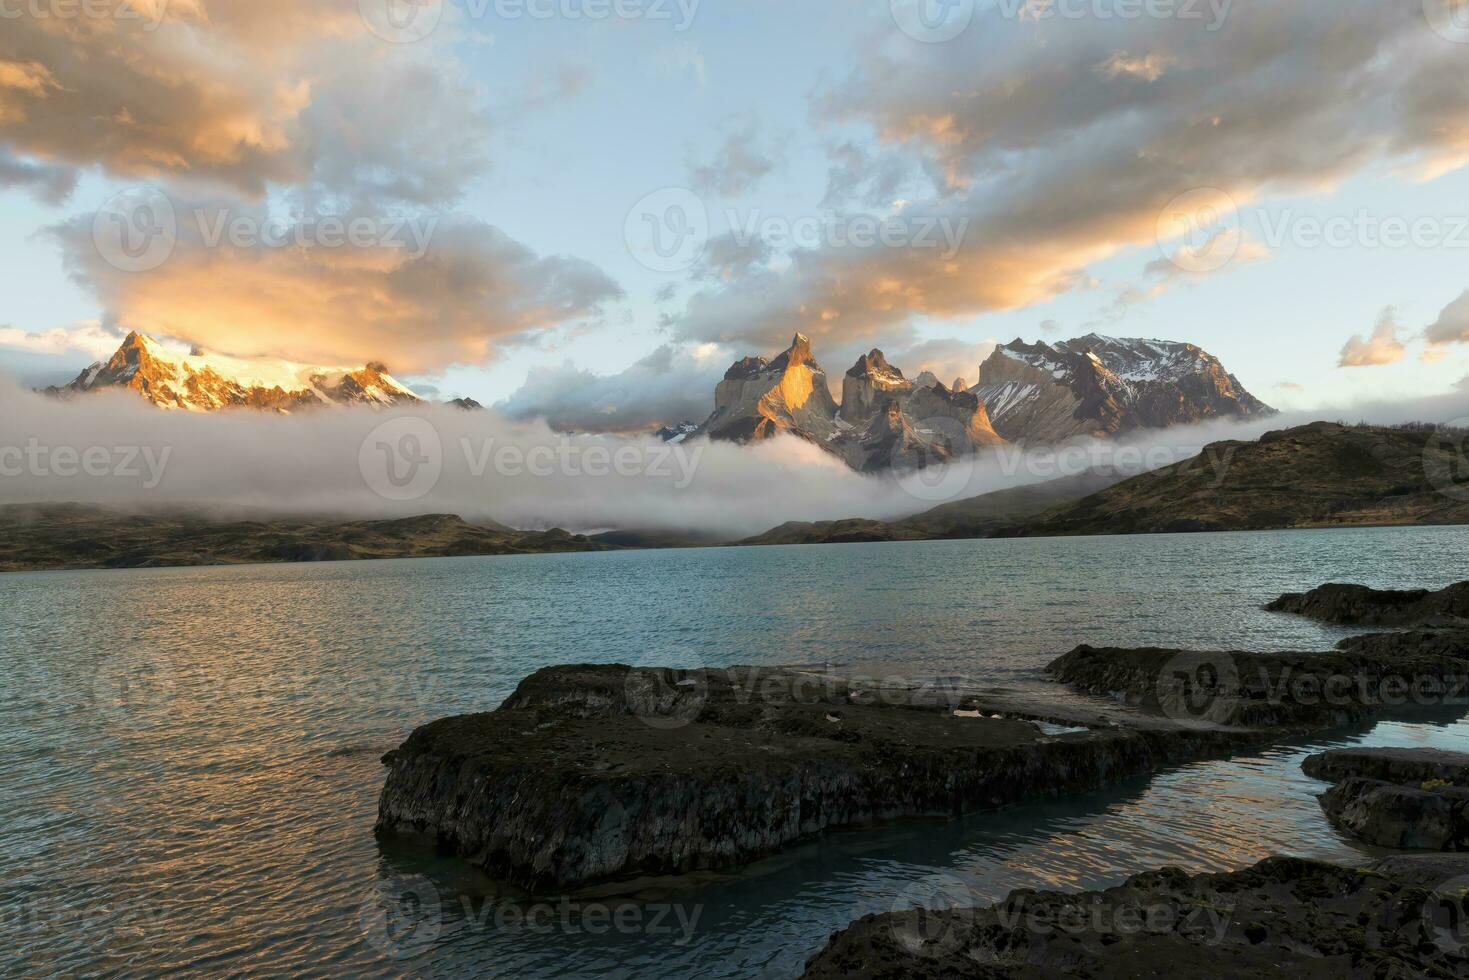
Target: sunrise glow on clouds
1056 145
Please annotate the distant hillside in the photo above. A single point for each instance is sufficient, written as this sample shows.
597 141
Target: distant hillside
1318 475
63 536
976 517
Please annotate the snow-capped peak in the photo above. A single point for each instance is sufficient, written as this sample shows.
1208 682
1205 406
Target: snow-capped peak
189 378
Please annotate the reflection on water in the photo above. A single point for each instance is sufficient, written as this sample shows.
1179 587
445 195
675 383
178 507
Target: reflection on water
189 758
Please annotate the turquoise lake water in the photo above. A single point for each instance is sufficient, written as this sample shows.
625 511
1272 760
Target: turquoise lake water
189 758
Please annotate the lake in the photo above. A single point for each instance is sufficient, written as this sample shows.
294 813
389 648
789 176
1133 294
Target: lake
189 757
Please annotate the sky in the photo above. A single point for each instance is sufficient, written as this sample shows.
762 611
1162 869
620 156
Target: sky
584 210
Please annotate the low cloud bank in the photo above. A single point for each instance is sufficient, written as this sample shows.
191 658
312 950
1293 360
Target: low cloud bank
113 450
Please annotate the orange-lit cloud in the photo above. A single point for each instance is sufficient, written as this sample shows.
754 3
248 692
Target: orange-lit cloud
420 298
1064 143
240 93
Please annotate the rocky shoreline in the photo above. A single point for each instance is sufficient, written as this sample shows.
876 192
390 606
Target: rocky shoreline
597 774
1396 918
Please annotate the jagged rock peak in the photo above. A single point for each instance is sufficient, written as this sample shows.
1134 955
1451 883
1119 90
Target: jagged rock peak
875 365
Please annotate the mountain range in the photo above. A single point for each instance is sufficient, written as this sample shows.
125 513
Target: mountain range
1032 394
204 382
1027 393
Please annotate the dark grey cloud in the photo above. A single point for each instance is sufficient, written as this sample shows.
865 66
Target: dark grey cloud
745 158
1452 325
670 385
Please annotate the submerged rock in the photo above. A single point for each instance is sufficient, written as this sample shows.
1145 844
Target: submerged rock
1400 918
1359 605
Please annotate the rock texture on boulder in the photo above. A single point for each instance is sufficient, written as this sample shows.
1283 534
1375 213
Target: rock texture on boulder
1284 917
1434 818
1397 797
1358 605
1393 765
1263 690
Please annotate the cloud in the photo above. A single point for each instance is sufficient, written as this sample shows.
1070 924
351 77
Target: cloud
1463 383
948 358
679 57
1452 325
668 386
49 184
1148 68
1383 347
418 296
90 339
1055 166
857 175
248 464
243 94
740 164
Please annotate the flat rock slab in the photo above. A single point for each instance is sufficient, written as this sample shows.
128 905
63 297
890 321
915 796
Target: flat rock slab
595 773
1359 605
1453 642
1283 691
1393 815
1406 766
1283 917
